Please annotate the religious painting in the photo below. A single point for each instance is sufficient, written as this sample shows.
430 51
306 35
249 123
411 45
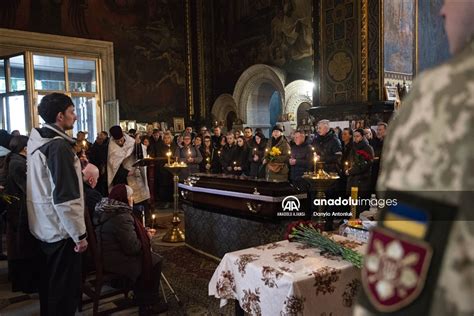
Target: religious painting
141 127
391 93
178 124
399 37
149 45
131 125
124 125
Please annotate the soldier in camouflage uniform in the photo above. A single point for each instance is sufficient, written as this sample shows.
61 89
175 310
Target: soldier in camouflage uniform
429 150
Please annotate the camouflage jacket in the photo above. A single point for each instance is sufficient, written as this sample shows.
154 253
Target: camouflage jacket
429 149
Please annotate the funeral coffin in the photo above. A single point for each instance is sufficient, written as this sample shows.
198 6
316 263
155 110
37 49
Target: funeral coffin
225 213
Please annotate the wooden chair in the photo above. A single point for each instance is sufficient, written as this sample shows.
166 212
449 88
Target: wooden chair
93 281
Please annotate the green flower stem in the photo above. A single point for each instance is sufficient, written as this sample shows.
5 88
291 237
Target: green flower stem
312 237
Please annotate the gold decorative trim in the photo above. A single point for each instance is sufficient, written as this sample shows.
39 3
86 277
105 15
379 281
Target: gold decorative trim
189 58
381 51
364 38
322 79
200 48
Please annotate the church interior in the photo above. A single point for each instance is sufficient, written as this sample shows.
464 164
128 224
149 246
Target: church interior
236 157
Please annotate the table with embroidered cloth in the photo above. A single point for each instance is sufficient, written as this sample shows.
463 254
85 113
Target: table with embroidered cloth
288 278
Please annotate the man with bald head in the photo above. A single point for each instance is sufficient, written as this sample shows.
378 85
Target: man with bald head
90 174
430 171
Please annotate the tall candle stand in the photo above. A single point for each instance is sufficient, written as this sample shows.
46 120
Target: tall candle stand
175 234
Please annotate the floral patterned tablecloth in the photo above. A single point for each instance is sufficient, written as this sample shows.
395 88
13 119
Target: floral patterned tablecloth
286 278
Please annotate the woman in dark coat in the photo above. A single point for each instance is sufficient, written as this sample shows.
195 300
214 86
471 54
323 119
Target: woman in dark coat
359 171
190 156
241 157
256 155
23 248
126 247
210 158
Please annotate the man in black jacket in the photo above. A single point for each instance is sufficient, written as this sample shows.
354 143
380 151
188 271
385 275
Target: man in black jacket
328 147
300 157
228 154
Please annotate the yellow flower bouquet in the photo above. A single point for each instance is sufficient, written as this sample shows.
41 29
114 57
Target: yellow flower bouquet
273 153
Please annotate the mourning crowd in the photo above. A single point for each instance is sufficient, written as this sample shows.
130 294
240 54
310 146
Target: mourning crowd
58 190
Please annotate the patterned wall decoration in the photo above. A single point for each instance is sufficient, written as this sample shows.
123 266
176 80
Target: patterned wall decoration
149 45
272 32
399 38
340 52
375 69
433 46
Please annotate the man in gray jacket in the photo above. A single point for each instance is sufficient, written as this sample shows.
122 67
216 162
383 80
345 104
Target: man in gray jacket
56 205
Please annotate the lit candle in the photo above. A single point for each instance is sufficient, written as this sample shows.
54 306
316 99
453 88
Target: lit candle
289 152
219 153
153 221
346 165
168 154
208 159
315 159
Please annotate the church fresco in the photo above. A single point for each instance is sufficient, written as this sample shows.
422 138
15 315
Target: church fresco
399 36
432 40
273 32
149 45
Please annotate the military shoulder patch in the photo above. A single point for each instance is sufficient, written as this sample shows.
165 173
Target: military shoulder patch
395 269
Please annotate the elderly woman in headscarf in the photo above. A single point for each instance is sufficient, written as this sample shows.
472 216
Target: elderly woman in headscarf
126 247
277 156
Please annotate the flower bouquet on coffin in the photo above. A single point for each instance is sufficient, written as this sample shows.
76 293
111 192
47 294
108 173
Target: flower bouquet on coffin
271 156
310 234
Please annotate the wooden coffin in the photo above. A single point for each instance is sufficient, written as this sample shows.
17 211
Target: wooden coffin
241 196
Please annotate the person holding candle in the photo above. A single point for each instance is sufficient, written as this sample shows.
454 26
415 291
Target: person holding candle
228 154
209 156
360 165
125 246
256 155
300 157
327 146
164 179
241 157
189 155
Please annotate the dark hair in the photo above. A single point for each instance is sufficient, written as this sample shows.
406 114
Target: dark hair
132 131
52 104
349 130
105 133
17 143
5 138
248 127
155 130
243 139
360 131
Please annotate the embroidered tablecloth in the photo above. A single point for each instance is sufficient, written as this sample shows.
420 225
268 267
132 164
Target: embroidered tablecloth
286 278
